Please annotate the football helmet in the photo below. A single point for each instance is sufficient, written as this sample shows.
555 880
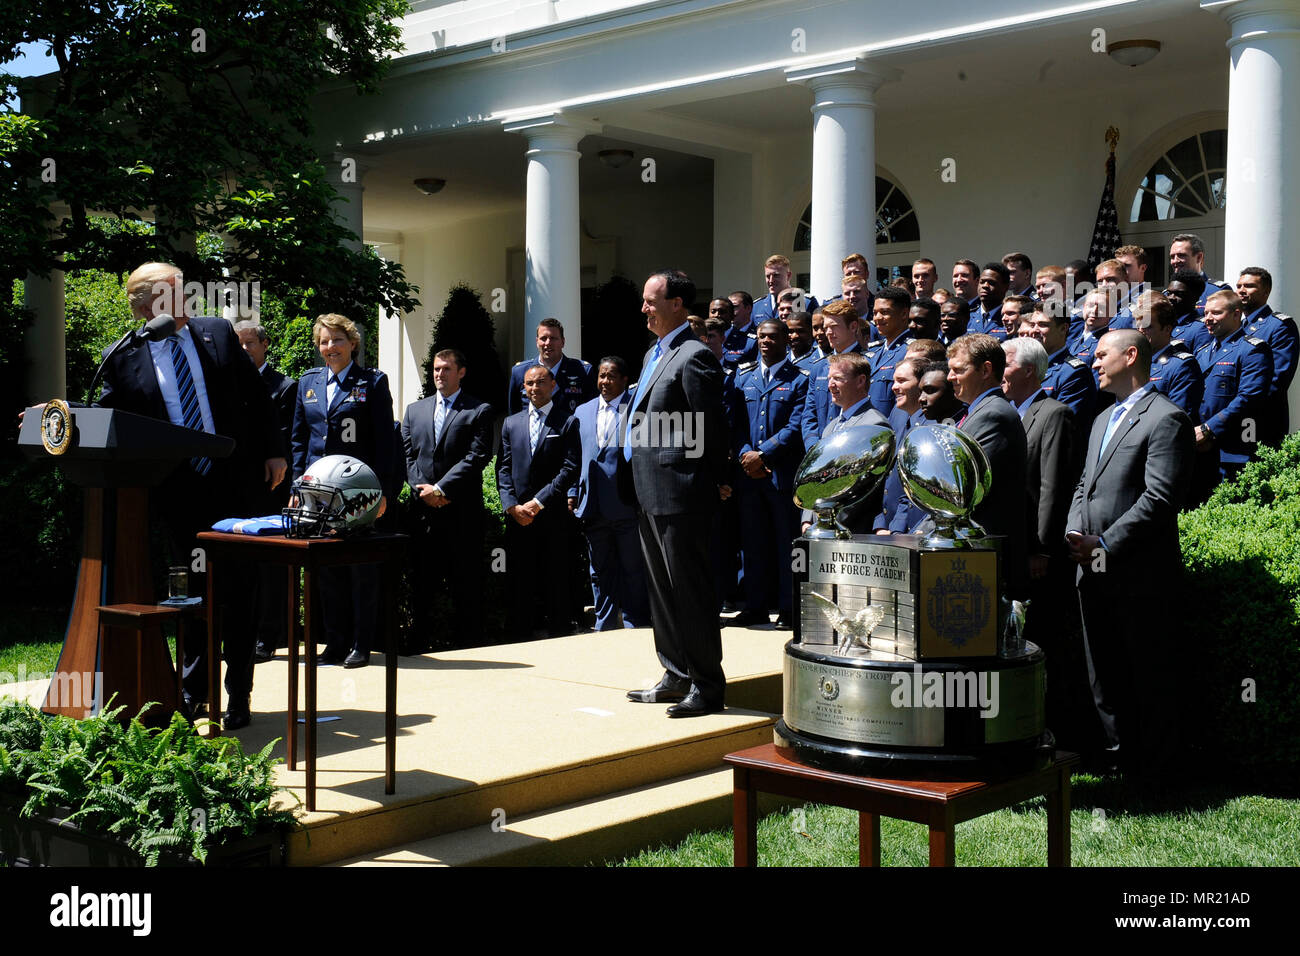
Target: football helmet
337 493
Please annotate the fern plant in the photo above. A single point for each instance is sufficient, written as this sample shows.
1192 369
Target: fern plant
160 789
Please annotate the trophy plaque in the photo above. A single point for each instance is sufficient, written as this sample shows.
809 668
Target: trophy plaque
906 660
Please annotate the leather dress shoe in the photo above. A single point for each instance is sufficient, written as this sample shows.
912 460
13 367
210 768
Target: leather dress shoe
237 716
670 688
783 622
195 708
747 619
263 653
694 705
329 657
356 659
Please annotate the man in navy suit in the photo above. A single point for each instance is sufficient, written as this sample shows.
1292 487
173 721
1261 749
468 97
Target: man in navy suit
769 446
272 590
346 409
574 382
447 440
535 469
200 378
609 522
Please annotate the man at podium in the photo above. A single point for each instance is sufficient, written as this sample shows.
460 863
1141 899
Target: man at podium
200 378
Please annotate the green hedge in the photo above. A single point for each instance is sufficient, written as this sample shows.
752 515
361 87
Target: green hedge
1241 550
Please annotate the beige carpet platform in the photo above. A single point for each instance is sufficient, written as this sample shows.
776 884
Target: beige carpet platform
522 753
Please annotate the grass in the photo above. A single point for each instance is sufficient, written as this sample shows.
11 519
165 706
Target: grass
30 640
1110 825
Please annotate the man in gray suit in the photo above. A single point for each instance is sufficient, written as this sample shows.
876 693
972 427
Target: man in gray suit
975 366
676 442
1123 534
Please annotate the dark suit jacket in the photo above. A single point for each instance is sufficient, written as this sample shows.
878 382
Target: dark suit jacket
241 408
284 398
456 461
1051 473
546 474
1131 495
674 475
362 411
596 487
997 428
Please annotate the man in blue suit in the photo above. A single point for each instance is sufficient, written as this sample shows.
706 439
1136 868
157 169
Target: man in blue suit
1183 291
345 409
891 316
574 382
609 522
770 447
535 469
1187 251
986 310
447 441
1279 331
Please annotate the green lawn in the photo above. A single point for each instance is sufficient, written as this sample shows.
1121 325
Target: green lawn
1110 826
29 642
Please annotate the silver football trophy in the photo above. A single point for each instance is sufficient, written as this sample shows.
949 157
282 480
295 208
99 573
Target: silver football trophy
906 658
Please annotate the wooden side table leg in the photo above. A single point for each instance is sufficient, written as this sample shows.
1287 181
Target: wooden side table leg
311 620
291 635
1058 820
213 662
868 839
139 669
943 850
394 571
744 803
180 658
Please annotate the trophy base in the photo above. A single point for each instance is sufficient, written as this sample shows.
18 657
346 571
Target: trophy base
865 760
883 715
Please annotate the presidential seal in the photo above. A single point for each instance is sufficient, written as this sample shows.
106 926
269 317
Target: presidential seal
56 426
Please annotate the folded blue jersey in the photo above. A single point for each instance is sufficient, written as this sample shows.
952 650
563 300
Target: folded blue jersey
270 524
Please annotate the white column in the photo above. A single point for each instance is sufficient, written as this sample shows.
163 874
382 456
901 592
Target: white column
1263 187
553 280
344 175
844 164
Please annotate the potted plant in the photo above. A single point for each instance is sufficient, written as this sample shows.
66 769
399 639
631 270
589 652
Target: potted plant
108 792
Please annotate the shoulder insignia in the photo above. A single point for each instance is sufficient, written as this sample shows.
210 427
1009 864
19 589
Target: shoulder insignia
804 372
1163 359
1184 355
525 362
586 366
1076 362
1254 341
747 367
1283 317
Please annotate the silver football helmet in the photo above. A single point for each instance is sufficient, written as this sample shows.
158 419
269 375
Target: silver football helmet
337 493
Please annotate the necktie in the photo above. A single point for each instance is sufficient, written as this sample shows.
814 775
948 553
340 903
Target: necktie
1115 416
767 376
189 399
535 428
439 419
603 430
331 389
641 392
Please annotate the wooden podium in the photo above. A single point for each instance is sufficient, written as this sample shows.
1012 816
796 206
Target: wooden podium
116 457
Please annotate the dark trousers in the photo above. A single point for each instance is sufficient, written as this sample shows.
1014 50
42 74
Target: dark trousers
617 573
1130 651
1053 623
771 523
349 603
683 600
448 559
537 577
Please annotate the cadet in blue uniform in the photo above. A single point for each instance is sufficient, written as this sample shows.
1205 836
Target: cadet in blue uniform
1187 251
892 309
1068 380
574 381
1183 292
1238 369
840 323
986 310
1175 373
1279 331
954 320
897 513
740 343
344 409
803 353
769 446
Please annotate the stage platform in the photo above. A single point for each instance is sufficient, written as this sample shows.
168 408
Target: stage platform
517 754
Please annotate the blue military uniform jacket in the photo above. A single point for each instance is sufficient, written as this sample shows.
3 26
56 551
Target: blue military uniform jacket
1211 286
1192 333
740 346
884 358
816 407
574 384
765 308
1279 331
989 323
772 419
1177 376
1070 381
1237 372
358 423
897 513
805 361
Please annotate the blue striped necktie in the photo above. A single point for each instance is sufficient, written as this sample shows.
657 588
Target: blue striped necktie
189 398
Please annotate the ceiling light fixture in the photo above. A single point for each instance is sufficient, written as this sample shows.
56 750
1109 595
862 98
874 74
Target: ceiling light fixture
1133 52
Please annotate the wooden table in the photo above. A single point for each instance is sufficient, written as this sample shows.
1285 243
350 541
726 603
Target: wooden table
140 620
941 805
309 555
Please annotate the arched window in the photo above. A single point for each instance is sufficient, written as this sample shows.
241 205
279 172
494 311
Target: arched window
1186 181
895 219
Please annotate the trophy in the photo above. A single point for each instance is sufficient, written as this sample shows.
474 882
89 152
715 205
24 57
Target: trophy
906 657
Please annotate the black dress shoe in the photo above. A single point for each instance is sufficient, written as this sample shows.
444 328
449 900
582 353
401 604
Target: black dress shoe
237 716
356 659
330 657
694 705
262 653
783 622
670 688
747 619
195 708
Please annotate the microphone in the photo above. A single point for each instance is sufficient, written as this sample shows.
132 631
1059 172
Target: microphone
155 330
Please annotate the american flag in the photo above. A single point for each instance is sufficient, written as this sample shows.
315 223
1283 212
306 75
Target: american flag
1105 234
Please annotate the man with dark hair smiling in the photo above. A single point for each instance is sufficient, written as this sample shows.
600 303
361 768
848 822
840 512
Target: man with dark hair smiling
891 320
986 311
1254 286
